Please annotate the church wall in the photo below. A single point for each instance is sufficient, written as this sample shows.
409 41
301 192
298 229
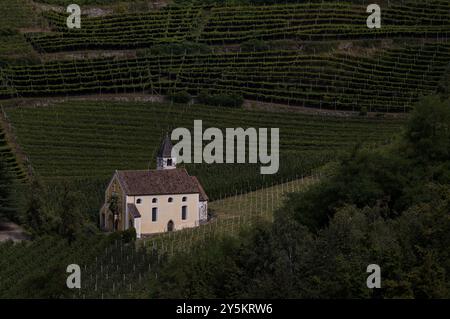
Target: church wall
166 212
114 187
203 210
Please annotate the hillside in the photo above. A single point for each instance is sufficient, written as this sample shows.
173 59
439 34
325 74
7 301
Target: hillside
79 104
319 55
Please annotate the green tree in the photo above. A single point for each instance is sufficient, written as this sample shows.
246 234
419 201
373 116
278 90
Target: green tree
7 206
444 84
71 217
427 133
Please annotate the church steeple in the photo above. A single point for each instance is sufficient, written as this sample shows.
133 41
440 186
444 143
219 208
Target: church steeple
164 159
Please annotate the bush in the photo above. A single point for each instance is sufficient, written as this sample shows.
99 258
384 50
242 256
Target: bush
180 97
129 235
223 99
363 111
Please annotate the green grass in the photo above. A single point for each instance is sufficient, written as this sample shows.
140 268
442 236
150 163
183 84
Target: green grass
262 202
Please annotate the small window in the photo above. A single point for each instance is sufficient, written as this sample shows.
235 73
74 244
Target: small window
170 200
138 201
169 162
154 214
154 200
184 198
183 212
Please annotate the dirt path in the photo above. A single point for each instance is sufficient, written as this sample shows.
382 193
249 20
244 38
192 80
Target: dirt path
122 97
88 54
11 231
275 107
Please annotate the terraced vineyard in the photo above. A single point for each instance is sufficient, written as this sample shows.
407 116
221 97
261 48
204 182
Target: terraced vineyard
78 142
323 21
120 31
24 265
235 24
17 15
389 82
91 139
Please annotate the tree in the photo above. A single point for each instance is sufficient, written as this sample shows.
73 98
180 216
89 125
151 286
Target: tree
71 216
7 206
427 133
444 84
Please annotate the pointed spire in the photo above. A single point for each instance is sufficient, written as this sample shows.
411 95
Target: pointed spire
165 149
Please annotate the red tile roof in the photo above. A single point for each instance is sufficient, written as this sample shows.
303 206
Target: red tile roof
202 194
159 182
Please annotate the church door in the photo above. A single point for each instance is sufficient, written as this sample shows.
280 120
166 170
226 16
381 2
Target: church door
170 226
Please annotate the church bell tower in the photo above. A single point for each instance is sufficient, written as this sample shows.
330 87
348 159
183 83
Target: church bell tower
164 159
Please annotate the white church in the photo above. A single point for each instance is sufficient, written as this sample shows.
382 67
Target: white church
154 201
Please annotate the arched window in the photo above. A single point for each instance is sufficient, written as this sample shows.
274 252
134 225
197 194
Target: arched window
138 201
169 162
154 200
170 200
184 198
184 212
154 214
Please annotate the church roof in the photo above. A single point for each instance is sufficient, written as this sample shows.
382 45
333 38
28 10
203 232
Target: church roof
202 193
159 182
165 150
132 209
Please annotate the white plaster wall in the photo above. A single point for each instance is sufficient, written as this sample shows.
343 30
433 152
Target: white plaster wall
166 212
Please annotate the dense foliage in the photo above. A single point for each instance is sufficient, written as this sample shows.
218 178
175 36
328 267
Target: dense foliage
388 206
223 99
7 205
56 209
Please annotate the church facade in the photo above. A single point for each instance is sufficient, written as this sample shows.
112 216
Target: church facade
154 201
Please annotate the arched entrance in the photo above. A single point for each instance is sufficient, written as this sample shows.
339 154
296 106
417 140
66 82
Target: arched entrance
170 225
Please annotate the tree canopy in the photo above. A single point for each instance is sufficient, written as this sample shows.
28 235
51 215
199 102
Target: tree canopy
389 206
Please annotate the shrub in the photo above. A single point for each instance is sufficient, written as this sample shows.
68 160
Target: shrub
129 235
363 111
223 99
180 97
